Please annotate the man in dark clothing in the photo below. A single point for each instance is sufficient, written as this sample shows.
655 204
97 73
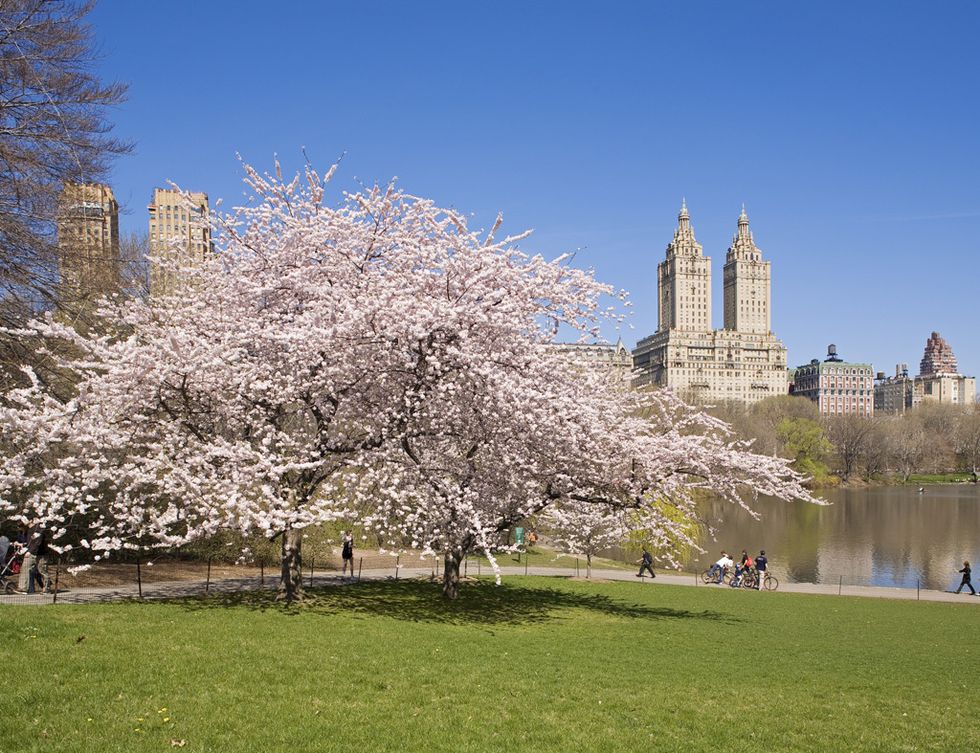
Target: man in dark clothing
646 563
37 547
966 579
760 567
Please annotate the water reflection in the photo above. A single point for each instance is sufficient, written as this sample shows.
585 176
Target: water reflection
883 536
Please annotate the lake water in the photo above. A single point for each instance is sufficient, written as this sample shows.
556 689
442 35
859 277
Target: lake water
882 536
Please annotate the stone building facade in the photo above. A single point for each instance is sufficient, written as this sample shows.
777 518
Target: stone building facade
179 224
839 388
88 244
598 355
743 362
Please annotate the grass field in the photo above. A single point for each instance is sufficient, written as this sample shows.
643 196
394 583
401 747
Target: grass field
918 479
538 664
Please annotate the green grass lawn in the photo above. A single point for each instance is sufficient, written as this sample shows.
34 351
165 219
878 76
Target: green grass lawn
917 479
538 664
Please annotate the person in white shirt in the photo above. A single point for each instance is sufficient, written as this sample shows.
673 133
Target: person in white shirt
719 569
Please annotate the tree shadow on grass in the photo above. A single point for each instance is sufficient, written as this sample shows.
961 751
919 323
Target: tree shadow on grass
479 603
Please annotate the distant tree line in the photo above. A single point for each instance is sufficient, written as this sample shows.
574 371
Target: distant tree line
931 439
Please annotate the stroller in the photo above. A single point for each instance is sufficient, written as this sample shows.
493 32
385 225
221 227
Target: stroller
9 572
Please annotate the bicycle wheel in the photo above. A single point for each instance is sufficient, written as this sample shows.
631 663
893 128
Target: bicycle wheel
727 580
707 577
770 583
748 581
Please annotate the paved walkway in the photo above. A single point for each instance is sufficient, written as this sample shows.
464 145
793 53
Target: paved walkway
185 588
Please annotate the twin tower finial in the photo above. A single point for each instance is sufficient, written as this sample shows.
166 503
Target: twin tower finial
743 218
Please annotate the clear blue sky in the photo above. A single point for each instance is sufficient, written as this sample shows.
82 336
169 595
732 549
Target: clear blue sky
850 130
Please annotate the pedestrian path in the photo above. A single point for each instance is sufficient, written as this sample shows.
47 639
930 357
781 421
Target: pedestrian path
187 588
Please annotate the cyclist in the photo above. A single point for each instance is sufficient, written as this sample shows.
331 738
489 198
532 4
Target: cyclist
761 563
745 566
721 567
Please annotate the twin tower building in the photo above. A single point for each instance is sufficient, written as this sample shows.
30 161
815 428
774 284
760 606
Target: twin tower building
743 362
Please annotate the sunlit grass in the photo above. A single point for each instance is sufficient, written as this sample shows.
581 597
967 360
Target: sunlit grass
540 663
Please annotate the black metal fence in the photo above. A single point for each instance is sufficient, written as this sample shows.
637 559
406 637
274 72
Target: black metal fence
164 575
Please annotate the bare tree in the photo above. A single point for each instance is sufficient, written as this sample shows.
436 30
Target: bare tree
53 130
878 450
134 269
850 435
909 444
968 439
939 421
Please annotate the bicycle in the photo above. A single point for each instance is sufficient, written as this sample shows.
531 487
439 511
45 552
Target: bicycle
725 578
770 582
747 579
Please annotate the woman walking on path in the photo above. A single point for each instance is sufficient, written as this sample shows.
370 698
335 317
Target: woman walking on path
966 579
347 553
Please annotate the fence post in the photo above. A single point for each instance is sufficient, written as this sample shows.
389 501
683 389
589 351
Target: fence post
466 562
207 583
479 566
576 567
916 589
312 560
360 561
525 565
57 570
139 579
261 572
840 585
398 559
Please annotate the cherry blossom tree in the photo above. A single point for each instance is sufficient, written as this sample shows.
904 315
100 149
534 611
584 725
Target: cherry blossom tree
374 355
587 530
274 381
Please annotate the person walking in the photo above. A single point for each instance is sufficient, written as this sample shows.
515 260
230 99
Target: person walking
347 553
25 581
966 579
37 551
646 563
761 563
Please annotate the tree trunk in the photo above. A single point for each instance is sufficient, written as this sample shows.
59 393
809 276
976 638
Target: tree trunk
588 565
450 573
291 582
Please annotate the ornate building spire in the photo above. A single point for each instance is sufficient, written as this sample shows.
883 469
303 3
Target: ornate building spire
743 245
684 243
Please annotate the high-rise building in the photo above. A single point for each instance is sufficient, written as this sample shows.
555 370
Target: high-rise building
179 225
939 381
744 362
837 387
88 245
